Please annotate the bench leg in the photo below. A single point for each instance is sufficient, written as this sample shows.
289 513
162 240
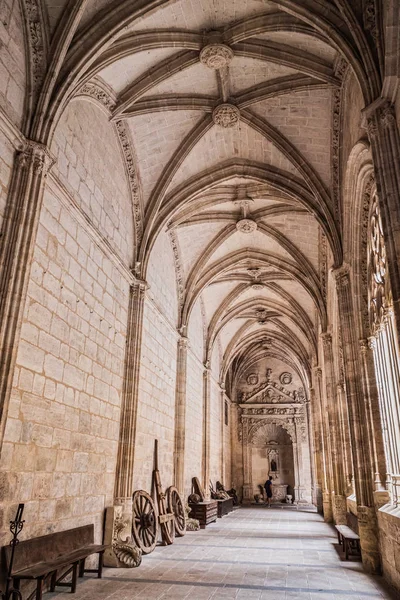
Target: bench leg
39 588
53 581
74 577
100 568
82 567
346 548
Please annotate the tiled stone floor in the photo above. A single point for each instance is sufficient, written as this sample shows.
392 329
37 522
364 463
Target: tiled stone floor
252 554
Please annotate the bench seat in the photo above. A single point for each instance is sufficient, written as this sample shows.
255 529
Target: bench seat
56 555
349 539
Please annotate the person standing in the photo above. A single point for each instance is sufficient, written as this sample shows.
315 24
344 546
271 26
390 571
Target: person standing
268 490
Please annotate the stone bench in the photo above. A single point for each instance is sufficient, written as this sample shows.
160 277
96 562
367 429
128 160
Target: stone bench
56 555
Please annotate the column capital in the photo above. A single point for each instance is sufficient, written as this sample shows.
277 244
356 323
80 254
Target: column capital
318 372
342 275
363 345
326 339
372 342
183 342
36 154
139 285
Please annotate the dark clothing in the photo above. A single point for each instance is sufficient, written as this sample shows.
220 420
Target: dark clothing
268 488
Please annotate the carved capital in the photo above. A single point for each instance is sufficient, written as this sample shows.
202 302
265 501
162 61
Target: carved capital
226 115
342 276
326 339
318 372
388 115
216 56
372 342
183 342
372 128
363 346
36 156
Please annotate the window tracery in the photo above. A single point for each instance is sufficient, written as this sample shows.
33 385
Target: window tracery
385 348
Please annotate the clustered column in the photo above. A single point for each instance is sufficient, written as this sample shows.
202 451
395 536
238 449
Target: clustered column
126 448
206 427
336 463
21 221
358 417
180 415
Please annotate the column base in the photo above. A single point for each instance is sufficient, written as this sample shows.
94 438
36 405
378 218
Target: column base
381 497
247 493
368 532
327 507
339 508
123 551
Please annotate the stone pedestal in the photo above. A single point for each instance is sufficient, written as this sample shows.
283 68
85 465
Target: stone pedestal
327 507
117 533
339 507
368 532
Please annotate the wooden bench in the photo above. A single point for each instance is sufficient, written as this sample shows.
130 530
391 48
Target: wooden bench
348 536
56 555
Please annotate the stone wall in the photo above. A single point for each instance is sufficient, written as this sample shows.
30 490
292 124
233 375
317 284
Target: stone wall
62 430
12 61
157 378
194 421
89 164
389 526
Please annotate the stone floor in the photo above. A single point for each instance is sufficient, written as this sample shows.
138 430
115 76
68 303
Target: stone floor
252 554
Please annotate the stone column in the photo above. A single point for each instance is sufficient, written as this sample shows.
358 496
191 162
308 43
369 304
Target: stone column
364 484
311 447
222 404
118 526
21 220
374 417
180 415
126 449
318 446
206 428
326 489
345 438
247 474
336 462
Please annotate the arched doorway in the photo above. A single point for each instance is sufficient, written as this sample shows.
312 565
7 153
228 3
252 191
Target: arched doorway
272 455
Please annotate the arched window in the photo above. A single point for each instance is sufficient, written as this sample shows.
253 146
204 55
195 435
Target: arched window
385 348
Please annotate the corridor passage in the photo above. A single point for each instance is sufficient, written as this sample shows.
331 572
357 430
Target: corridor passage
252 554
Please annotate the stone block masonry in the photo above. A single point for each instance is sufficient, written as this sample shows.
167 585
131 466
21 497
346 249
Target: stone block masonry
61 438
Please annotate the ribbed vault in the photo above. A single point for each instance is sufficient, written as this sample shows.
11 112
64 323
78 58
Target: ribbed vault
229 113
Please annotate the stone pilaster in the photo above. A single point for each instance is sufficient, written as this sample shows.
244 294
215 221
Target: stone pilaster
206 428
125 460
23 208
119 517
180 415
373 413
326 490
336 458
357 418
222 405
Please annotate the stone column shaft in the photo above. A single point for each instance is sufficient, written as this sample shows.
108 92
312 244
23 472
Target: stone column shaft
180 415
21 220
206 428
338 483
326 489
368 529
373 413
126 448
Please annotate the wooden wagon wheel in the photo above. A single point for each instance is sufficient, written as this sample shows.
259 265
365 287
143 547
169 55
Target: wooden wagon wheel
175 506
144 521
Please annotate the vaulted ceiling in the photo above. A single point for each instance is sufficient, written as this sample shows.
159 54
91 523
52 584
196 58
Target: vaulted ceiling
230 108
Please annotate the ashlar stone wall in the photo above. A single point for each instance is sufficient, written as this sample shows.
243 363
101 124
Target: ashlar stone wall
62 430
